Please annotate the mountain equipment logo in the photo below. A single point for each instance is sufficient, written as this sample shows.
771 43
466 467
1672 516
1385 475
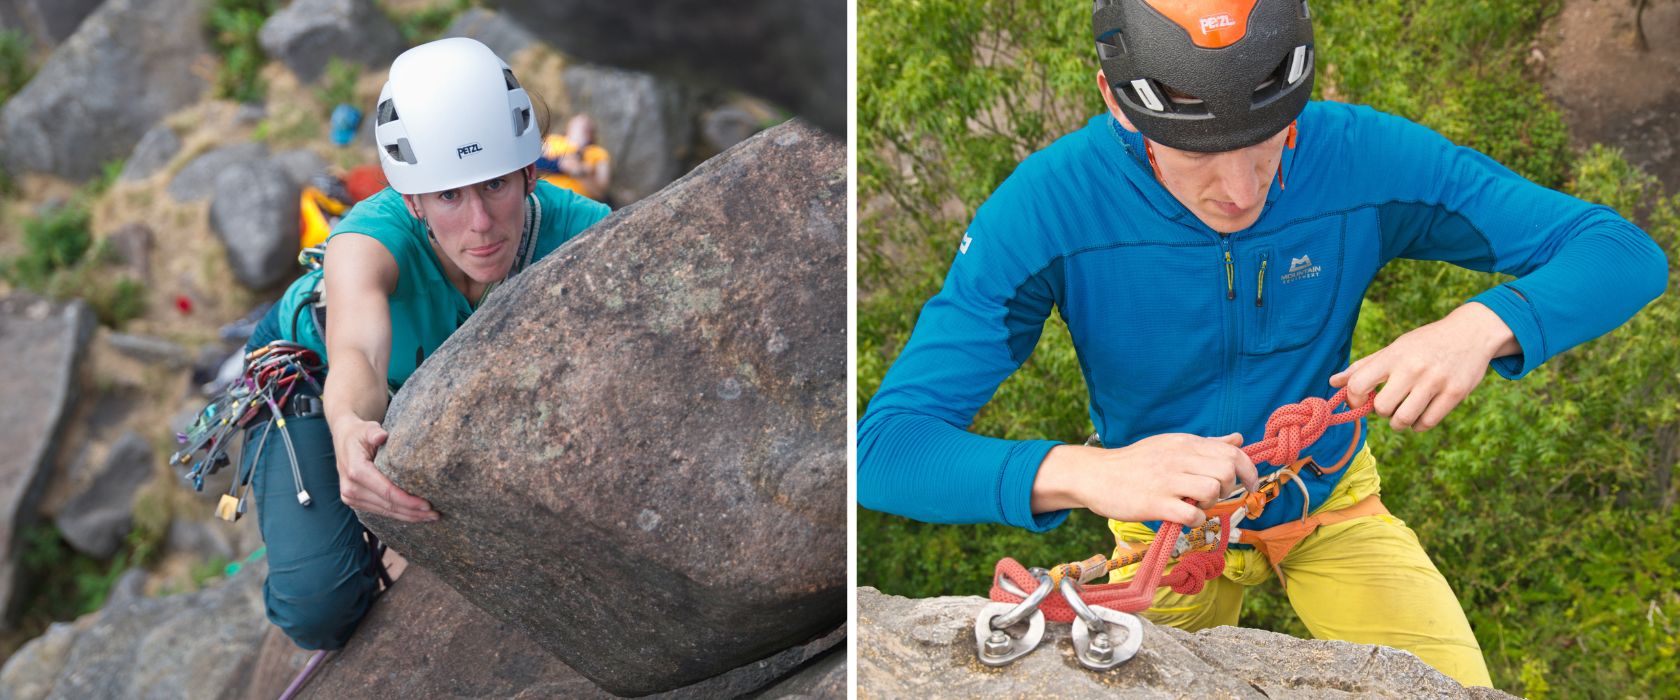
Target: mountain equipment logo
467 150
966 241
1301 268
1217 22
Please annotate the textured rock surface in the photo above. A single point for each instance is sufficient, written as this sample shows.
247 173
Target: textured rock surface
424 640
644 122
96 520
308 34
43 343
255 212
48 21
156 148
494 29
793 53
646 431
194 645
301 165
127 66
197 179
925 648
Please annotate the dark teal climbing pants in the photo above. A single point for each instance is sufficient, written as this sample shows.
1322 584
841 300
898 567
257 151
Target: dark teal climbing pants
321 575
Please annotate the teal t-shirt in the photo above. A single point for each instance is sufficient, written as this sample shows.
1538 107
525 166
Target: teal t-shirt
425 307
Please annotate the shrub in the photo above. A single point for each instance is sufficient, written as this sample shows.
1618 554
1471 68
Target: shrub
233 27
15 69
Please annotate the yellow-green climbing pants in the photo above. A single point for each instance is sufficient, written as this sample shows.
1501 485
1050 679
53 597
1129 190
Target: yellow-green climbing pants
1366 580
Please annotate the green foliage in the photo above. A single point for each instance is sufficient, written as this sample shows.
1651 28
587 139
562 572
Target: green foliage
15 68
1548 503
55 260
339 84
65 584
425 24
53 241
233 27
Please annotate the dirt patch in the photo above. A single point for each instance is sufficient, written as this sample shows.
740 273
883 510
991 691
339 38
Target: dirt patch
1610 90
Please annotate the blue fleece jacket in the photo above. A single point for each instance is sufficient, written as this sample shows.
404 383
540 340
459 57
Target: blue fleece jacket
1171 339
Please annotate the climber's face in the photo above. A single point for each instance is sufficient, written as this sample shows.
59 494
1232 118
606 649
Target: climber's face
477 227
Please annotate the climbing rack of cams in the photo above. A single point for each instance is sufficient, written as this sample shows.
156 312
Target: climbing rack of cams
272 376
1106 631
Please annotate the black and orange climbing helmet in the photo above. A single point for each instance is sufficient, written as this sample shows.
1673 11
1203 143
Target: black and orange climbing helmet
1206 75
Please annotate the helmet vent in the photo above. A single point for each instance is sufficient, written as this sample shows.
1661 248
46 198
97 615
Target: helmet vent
1287 72
521 120
401 151
387 112
1111 45
512 82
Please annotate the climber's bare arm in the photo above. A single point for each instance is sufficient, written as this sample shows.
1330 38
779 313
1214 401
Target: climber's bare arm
360 276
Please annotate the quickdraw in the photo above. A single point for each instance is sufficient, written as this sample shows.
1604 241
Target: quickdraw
272 375
1100 613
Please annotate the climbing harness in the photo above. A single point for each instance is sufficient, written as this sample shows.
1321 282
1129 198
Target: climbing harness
271 379
1106 631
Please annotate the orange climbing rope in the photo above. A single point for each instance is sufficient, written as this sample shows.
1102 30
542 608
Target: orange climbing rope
1289 430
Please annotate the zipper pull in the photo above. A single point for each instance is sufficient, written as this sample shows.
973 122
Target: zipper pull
1230 278
1260 286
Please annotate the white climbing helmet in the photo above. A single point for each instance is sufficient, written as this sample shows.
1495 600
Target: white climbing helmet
452 114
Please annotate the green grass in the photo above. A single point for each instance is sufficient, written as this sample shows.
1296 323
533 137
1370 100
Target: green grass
15 64
338 86
61 260
233 26
1548 503
421 26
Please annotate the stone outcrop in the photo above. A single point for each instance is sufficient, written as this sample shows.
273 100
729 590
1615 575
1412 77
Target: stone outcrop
493 29
423 640
44 344
645 122
255 212
307 34
48 21
646 431
197 179
925 648
96 520
792 53
129 64
194 645
156 148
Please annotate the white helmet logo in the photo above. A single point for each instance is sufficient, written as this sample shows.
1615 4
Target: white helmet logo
467 150
1216 22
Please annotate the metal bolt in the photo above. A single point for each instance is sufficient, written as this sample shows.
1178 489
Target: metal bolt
998 645
1101 650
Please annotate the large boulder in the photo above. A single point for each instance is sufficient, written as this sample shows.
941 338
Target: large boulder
156 148
308 34
792 53
646 124
423 640
48 22
96 520
255 213
193 645
924 648
129 64
493 29
44 344
197 179
638 445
